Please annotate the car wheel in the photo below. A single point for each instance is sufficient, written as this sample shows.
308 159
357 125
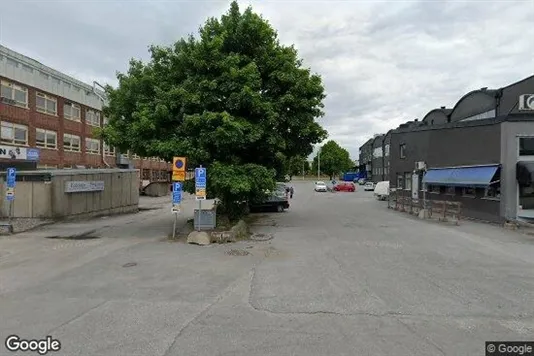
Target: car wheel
280 208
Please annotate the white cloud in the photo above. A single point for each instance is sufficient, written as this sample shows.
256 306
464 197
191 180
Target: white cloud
382 62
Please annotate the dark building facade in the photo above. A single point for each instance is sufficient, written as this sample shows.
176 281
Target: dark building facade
366 157
471 153
377 163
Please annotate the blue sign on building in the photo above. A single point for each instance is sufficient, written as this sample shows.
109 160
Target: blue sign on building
176 193
200 177
32 154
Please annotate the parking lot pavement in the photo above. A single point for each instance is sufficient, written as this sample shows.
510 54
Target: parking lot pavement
343 275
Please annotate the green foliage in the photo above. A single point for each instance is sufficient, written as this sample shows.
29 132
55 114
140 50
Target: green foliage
334 159
234 97
297 165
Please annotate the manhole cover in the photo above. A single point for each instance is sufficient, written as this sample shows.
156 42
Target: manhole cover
237 252
129 264
261 237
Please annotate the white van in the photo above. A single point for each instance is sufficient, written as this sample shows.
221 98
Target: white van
382 190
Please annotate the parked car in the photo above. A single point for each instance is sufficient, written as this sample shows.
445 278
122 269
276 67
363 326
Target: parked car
382 190
345 187
276 200
320 187
362 181
369 186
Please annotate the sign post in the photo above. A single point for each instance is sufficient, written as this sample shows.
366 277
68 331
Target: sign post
200 189
176 200
10 189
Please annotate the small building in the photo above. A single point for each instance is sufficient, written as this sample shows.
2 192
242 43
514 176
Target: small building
480 153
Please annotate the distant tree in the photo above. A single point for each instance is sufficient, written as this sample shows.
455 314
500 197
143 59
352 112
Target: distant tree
334 159
297 165
234 100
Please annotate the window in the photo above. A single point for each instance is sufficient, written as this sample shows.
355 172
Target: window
386 150
46 138
450 191
136 157
400 181
13 94
92 145
14 133
526 146
469 192
108 150
485 115
493 191
46 104
92 118
408 181
72 111
154 175
402 150
436 189
71 143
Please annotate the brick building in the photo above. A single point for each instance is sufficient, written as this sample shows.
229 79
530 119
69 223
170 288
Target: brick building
48 121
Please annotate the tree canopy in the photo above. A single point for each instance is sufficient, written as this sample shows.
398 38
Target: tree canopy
334 159
233 99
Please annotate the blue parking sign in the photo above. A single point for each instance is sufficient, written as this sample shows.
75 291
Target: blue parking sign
176 193
11 177
200 177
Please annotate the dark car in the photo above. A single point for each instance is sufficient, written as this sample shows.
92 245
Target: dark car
345 187
277 201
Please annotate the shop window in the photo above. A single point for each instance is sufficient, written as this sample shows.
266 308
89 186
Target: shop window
46 104
450 190
402 150
493 191
469 192
408 181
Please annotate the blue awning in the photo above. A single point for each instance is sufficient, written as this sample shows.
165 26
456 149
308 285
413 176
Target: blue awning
479 176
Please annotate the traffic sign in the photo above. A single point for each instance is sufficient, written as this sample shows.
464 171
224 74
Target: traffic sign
200 193
178 164
10 193
200 177
175 208
178 176
176 193
11 177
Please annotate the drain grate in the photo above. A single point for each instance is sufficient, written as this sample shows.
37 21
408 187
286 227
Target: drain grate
262 237
129 264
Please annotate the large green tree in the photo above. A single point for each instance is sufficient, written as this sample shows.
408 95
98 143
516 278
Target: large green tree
232 99
334 159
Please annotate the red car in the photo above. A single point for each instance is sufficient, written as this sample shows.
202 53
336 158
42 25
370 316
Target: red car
345 187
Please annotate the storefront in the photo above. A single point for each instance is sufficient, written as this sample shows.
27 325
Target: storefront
21 158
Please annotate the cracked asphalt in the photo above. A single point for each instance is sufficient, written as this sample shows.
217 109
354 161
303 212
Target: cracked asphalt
343 275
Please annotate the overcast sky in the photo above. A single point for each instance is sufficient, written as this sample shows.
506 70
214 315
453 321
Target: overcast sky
382 62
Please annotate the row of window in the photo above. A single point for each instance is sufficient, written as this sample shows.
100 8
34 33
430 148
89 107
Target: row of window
404 181
18 95
16 134
381 171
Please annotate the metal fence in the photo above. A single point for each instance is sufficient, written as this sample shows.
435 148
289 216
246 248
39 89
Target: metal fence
441 209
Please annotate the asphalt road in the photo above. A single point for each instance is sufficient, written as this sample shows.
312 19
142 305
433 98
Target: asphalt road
343 275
